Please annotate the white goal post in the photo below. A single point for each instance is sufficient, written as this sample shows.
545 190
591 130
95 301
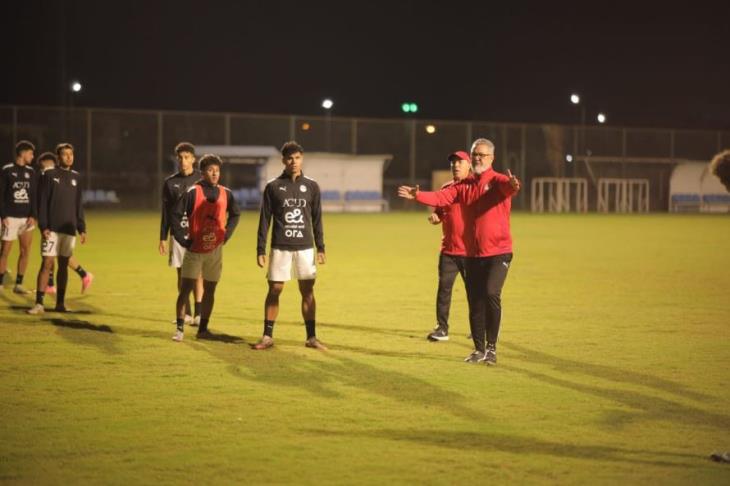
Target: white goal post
623 195
559 195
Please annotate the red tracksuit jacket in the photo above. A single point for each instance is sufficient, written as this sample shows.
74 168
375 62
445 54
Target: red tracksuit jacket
486 202
452 225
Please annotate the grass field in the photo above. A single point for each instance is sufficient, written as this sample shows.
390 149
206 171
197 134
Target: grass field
613 363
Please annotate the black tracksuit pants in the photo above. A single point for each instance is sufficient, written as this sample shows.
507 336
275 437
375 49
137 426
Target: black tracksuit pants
449 267
485 277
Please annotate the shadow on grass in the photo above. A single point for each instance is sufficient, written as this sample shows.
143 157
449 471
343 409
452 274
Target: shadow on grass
619 375
101 336
525 446
647 407
322 377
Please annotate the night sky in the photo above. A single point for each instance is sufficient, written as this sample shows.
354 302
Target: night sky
495 61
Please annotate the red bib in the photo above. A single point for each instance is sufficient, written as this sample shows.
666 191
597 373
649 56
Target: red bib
207 223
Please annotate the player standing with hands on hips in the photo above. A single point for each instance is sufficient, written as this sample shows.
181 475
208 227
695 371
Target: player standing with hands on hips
293 201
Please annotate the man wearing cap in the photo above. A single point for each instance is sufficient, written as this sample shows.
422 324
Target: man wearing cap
453 249
18 210
487 203
212 215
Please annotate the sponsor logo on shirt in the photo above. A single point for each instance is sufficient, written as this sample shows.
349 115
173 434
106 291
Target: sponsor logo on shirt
303 188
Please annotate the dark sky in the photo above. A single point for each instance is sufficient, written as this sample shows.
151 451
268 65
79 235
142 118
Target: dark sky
644 65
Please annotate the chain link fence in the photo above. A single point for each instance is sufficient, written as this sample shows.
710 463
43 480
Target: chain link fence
131 151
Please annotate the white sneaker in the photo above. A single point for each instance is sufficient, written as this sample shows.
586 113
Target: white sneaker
36 310
189 320
196 320
178 337
19 289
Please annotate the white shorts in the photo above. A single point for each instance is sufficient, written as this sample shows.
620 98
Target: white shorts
15 228
177 253
210 265
58 244
280 265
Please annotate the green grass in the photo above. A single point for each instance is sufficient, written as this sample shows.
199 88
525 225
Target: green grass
613 363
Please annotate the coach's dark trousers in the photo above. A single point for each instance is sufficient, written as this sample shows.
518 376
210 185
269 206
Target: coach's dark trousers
485 278
449 267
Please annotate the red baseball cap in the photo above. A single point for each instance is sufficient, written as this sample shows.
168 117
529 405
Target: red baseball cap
459 155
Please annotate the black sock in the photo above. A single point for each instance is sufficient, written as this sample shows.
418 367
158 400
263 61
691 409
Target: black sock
19 280
203 325
180 324
197 308
268 328
60 297
50 279
2 277
39 297
310 328
80 271
492 346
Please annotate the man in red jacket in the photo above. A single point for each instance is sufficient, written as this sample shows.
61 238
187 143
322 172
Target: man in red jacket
486 202
453 250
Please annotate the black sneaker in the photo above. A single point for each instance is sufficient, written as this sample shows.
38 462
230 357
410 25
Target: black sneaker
203 334
475 357
438 334
490 357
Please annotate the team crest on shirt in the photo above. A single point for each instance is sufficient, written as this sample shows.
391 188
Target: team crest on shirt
73 182
303 188
27 176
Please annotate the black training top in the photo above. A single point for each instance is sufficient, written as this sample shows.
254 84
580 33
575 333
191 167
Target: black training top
18 188
173 189
296 207
60 208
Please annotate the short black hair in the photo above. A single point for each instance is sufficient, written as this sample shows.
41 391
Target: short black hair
184 147
48 156
63 146
209 159
22 146
291 147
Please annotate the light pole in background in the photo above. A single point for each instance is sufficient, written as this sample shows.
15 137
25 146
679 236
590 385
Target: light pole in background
327 104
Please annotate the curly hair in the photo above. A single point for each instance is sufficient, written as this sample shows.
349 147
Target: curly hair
720 166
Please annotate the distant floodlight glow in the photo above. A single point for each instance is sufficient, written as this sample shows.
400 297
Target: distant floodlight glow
414 107
327 104
569 158
430 129
575 99
75 86
306 126
601 118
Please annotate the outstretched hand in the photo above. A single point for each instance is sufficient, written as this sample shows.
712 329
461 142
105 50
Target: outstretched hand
513 181
408 192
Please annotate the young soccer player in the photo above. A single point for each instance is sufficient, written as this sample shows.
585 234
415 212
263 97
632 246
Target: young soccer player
173 189
60 217
18 210
293 201
212 215
47 161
